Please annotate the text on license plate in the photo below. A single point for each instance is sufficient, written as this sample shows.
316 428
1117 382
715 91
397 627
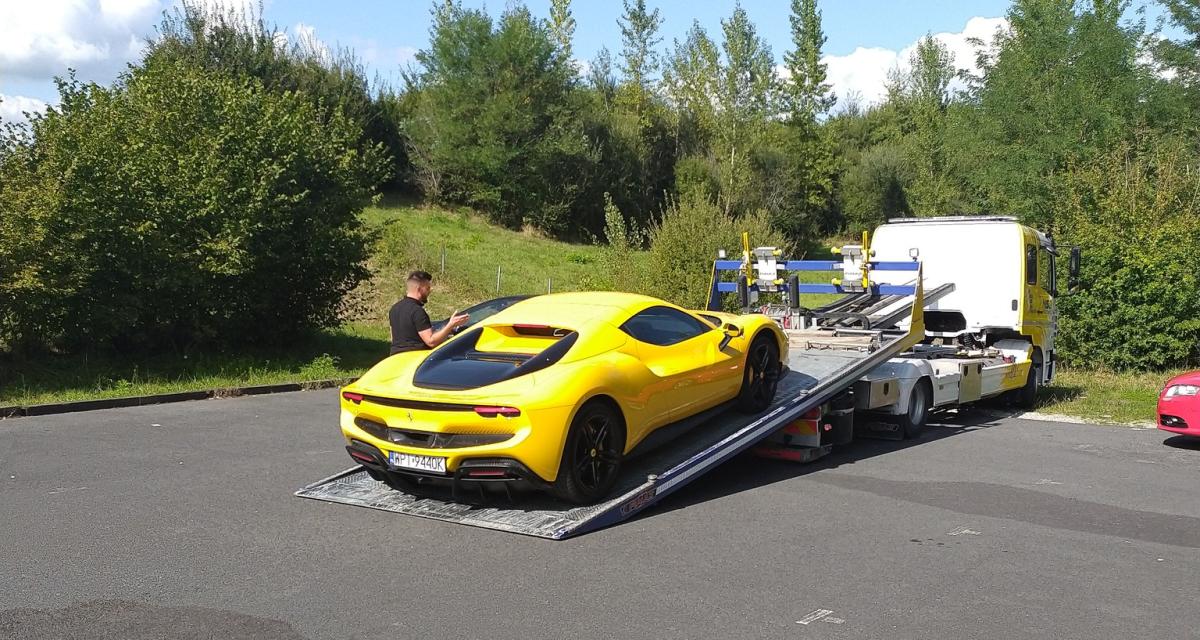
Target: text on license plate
430 464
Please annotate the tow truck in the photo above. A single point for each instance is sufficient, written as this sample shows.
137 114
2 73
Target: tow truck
931 313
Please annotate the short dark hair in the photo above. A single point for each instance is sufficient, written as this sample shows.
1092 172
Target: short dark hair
420 277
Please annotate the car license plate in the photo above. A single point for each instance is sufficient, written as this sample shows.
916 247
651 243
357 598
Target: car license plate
428 464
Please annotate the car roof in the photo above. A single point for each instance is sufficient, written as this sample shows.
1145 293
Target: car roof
492 301
576 309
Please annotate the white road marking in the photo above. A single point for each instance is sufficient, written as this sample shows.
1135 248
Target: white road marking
832 620
963 531
1046 481
814 616
66 489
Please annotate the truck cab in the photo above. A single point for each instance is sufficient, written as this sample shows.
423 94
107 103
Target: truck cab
1004 281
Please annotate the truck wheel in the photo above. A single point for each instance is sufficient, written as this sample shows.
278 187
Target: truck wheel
920 399
592 455
760 376
1026 396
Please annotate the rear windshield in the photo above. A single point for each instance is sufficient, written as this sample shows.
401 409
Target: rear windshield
461 364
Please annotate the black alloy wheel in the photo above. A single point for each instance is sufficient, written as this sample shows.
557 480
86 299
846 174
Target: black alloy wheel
592 456
761 376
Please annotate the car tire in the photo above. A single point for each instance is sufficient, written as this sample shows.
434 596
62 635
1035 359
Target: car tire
1026 397
920 400
760 375
592 454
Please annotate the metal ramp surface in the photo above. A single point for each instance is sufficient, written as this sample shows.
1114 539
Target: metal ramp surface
815 375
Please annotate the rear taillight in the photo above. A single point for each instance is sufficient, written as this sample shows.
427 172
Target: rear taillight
362 457
352 397
492 412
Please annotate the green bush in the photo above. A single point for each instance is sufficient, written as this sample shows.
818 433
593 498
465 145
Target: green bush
1136 216
223 39
695 174
179 206
873 189
684 244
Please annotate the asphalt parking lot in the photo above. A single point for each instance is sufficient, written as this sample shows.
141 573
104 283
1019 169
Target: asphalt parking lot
179 521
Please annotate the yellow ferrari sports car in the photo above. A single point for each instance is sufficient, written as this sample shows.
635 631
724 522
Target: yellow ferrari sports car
556 390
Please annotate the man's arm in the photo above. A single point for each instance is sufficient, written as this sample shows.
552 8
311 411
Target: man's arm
433 338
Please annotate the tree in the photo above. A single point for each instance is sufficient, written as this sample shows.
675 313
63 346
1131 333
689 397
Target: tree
495 126
1182 57
746 96
1175 88
808 167
639 61
690 80
240 43
921 97
1063 86
806 89
562 26
600 76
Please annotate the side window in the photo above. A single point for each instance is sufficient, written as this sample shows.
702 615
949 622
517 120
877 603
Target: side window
663 326
1031 264
1053 276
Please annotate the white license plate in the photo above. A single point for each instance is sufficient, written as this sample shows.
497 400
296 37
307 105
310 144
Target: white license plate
428 464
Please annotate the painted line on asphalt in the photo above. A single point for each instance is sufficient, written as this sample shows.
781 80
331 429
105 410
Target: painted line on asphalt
814 616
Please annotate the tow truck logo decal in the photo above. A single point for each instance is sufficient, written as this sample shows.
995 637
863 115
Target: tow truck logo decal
637 502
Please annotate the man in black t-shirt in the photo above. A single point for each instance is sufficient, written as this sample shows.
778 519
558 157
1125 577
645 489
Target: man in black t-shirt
411 329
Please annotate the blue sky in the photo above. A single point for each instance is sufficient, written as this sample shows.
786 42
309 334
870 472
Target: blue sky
848 23
40 39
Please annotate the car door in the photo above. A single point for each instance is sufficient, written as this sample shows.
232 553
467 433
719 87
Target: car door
684 355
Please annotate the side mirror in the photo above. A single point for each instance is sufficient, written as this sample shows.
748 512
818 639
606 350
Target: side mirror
1073 269
731 331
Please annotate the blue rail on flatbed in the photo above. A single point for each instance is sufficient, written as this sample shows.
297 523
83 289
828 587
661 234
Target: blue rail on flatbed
720 286
881 289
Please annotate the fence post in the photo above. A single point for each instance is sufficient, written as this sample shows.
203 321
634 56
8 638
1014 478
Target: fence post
443 271
548 283
497 279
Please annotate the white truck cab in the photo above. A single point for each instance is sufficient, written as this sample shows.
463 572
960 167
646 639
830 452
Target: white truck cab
1004 281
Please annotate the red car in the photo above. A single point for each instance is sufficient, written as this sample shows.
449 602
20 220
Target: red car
1179 405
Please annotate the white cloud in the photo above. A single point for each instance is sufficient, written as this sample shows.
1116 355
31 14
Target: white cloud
305 35
13 108
42 39
864 71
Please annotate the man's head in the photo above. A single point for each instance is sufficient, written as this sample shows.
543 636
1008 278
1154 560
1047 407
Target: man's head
419 284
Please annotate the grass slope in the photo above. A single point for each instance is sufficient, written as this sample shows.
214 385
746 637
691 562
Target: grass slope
474 249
